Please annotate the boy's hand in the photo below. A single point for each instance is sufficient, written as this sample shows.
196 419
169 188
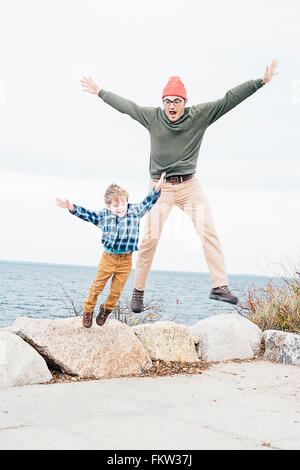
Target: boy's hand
160 182
89 85
270 71
65 204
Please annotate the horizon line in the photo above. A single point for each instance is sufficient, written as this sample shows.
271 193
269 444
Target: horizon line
156 270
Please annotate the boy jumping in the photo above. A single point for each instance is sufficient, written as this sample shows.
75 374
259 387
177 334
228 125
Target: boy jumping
119 223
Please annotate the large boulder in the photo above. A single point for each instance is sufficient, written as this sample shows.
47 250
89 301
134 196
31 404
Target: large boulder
20 364
98 352
168 341
227 336
281 346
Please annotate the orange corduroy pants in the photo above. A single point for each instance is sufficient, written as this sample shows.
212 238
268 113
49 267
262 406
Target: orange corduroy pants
116 266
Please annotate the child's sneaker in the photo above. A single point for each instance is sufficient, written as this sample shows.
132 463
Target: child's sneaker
87 319
223 293
137 305
102 315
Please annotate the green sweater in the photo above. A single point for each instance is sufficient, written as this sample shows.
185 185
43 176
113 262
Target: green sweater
175 145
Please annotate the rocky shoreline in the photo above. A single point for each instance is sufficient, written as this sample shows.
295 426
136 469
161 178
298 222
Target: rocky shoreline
158 369
58 351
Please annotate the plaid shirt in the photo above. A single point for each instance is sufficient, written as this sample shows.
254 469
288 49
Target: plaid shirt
119 234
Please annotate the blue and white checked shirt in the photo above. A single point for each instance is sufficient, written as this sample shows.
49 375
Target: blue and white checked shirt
119 234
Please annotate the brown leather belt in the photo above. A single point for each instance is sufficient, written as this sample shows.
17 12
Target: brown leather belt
177 179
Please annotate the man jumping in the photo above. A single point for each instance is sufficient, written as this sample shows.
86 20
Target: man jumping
176 133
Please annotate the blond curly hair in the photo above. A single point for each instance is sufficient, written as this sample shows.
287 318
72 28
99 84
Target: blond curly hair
114 192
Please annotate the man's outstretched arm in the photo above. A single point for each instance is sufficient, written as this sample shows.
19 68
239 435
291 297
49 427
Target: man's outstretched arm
213 110
144 115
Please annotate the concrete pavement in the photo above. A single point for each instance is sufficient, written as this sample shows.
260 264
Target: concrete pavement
248 405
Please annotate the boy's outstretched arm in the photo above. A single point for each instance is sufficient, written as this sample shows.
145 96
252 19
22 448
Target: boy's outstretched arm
95 218
144 115
213 110
151 198
160 182
65 204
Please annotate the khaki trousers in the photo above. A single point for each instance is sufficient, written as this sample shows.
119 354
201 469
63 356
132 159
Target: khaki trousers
117 266
189 197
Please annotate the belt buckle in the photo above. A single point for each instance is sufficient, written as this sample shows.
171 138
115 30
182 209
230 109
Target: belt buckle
174 179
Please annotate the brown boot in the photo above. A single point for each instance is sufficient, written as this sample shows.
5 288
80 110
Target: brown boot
137 301
102 315
223 293
87 319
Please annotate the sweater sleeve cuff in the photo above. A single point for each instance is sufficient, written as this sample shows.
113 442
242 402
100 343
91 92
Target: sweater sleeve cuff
101 93
259 83
154 194
75 212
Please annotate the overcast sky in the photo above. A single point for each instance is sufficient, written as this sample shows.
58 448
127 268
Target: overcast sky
57 140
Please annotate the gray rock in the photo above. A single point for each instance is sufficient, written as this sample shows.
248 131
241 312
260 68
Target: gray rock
281 346
168 341
109 351
227 336
20 364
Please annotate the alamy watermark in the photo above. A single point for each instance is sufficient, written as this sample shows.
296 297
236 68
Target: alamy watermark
180 229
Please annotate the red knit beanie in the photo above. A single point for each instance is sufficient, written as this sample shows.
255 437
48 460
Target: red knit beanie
174 87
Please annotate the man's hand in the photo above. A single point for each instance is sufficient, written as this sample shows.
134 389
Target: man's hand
89 85
270 71
65 204
160 182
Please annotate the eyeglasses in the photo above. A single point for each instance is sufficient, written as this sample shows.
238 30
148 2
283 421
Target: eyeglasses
176 102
